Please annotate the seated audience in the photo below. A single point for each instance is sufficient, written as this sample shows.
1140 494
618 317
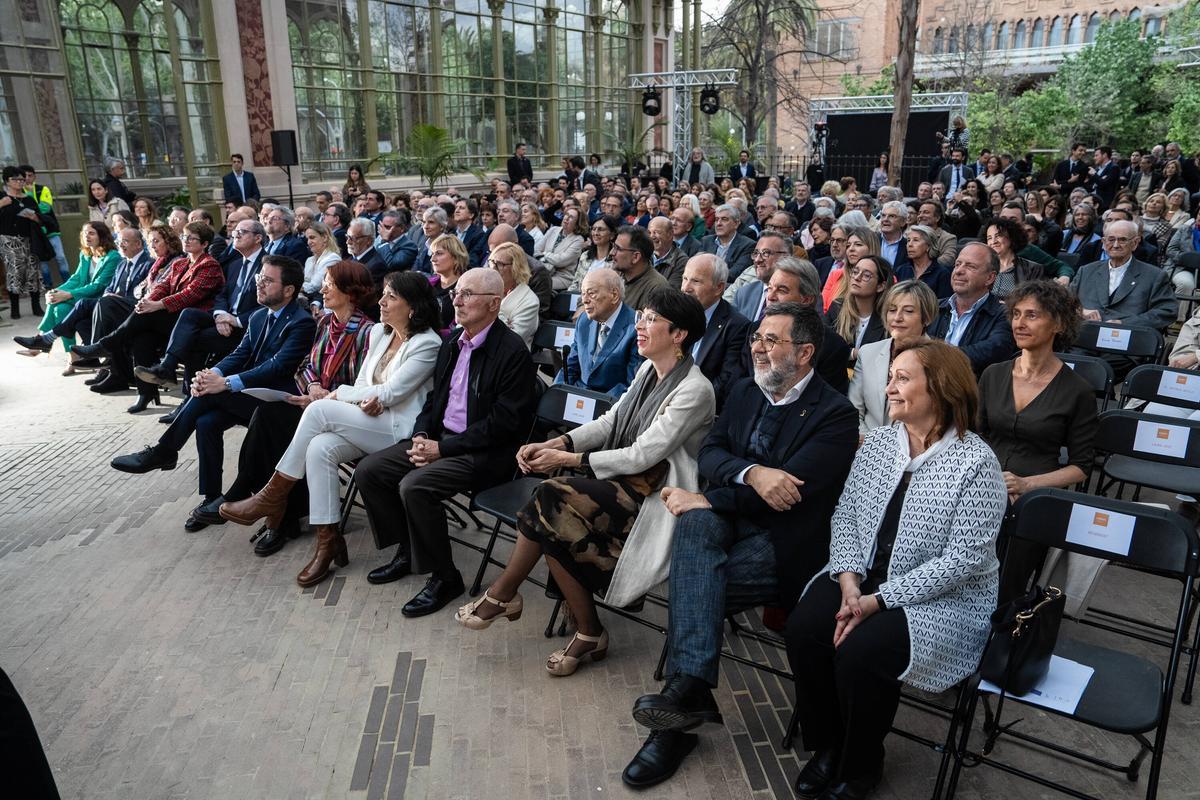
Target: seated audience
727 243
519 305
668 259
943 247
465 437
1082 230
770 246
972 318
1007 238
1184 239
282 240
632 258
448 257
610 531
860 241
919 244
468 231
1184 355
1033 407
325 254
360 243
279 336
605 357
856 314
774 470
1052 267
433 224
559 249
908 307
598 252
893 218
910 586
719 351
360 415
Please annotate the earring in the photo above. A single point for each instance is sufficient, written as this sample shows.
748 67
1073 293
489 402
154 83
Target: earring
678 353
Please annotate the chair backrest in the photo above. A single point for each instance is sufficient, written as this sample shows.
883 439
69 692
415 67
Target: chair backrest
1095 370
1149 437
1136 534
565 407
1189 260
1166 385
563 305
1134 341
1070 259
553 335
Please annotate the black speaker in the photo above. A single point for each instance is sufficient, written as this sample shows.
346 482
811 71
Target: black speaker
284 151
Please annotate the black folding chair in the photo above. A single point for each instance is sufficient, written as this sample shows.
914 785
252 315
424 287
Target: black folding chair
551 341
1070 259
563 306
561 408
1148 450
1096 371
1126 694
1135 341
1166 386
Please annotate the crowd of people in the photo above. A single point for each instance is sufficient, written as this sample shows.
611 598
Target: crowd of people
823 403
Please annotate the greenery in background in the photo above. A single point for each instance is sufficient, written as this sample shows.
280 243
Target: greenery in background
632 148
855 86
430 152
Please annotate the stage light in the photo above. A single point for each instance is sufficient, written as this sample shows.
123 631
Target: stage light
710 100
820 129
652 102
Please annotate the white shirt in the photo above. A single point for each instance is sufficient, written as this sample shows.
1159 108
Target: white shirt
791 396
1116 274
233 317
241 182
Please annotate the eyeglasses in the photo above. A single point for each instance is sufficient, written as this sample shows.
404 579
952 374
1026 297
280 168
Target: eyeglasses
497 264
862 273
647 318
466 294
616 248
761 254
1117 239
263 279
768 342
838 240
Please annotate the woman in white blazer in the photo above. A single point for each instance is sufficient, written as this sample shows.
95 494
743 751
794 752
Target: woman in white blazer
610 531
325 253
376 412
908 308
559 250
519 307
911 581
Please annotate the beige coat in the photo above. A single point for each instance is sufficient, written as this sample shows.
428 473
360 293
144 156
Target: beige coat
684 419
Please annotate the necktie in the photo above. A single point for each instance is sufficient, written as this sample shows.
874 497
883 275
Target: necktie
266 337
601 336
241 285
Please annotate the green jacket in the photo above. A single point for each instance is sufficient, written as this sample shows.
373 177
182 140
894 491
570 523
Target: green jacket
83 283
1055 268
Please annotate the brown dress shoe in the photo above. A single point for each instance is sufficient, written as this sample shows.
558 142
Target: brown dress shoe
331 548
270 502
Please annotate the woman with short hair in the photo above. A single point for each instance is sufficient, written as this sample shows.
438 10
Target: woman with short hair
1006 238
559 249
19 224
519 305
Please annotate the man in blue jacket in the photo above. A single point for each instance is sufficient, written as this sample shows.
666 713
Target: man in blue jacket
605 356
972 319
281 240
277 339
239 185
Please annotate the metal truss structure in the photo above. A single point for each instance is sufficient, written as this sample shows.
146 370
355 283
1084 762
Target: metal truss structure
820 108
682 83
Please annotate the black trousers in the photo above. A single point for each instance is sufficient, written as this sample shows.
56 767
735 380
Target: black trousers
22 760
78 321
137 342
195 337
847 697
209 416
270 432
109 313
404 503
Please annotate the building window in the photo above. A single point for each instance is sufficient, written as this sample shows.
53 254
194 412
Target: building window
1056 32
1153 26
1075 30
1002 40
952 46
1038 37
1021 40
836 38
1093 26
939 42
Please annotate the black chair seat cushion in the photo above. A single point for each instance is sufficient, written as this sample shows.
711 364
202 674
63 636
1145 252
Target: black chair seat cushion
505 500
1156 474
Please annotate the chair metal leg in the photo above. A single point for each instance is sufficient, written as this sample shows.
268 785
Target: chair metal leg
662 662
1186 697
947 747
735 628
348 504
790 734
553 617
487 557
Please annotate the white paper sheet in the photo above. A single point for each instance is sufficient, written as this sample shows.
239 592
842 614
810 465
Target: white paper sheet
1101 529
1113 338
574 302
1180 386
564 336
1161 439
1060 690
268 395
579 409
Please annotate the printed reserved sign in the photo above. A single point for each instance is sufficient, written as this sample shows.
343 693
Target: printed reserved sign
574 302
1161 439
564 336
579 409
1180 386
1113 338
1100 529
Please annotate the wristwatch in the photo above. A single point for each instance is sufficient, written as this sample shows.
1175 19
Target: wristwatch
228 385
879 599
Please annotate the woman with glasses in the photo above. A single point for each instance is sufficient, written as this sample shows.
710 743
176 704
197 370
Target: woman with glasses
449 258
519 305
855 315
325 253
860 241
1083 230
608 530
19 223
599 253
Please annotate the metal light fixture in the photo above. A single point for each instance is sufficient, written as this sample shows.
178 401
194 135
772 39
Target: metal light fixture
710 99
652 102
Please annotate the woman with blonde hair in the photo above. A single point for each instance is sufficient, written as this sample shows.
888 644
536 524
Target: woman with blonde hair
855 314
519 305
860 241
146 213
533 222
449 258
325 253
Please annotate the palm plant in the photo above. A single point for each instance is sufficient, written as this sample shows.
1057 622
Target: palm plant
433 153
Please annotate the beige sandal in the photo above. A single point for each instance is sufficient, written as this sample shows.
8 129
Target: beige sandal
562 665
467 617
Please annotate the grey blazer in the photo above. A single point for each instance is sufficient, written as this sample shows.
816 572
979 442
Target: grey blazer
868 386
1144 297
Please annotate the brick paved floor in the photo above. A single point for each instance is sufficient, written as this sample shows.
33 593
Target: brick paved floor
164 664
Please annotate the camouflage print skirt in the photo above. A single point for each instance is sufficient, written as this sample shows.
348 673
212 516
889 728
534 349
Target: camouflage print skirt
582 523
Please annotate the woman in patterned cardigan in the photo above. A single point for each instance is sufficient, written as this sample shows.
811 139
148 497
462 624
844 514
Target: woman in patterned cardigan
912 575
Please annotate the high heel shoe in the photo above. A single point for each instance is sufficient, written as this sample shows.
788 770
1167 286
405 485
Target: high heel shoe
562 665
467 617
35 299
331 548
143 401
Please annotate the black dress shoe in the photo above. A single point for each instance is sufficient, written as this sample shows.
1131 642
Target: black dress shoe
169 417
160 374
145 461
205 514
816 775
144 400
86 363
112 383
99 377
857 789
684 703
660 756
271 540
436 595
94 350
394 570
34 343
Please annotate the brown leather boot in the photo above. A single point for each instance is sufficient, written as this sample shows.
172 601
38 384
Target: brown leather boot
331 547
270 502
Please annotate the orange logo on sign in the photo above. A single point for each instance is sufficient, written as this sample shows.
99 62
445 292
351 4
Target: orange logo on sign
579 405
1181 380
1114 334
1163 433
1100 519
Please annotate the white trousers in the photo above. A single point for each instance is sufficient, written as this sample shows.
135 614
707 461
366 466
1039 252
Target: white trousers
329 433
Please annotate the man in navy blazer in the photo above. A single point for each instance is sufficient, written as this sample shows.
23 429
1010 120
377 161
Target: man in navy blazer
972 319
733 248
282 241
742 169
277 339
1104 178
198 334
719 351
397 250
469 231
238 185
360 240
775 464
602 363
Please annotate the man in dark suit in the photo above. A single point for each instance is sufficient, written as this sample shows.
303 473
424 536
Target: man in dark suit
668 259
749 299
1187 167
469 231
373 202
360 241
801 205
396 249
955 175
466 436
727 244
508 212
774 470
278 338
238 185
1143 180
605 356
337 216
972 319
1104 176
742 169
682 221
1071 172
893 219
281 240
719 351
519 168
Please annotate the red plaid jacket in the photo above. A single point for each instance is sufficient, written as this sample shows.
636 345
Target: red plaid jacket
189 285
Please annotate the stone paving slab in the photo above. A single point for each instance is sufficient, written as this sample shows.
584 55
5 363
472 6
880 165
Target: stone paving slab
164 664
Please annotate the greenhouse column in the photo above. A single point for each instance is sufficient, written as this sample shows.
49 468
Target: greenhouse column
550 14
498 89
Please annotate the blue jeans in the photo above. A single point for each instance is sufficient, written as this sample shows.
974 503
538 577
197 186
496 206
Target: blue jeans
60 257
718 566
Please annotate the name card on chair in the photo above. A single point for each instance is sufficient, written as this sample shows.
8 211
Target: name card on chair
564 337
579 409
1113 338
1100 529
1180 386
1160 439
574 304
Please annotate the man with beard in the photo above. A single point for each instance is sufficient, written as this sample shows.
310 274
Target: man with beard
775 468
